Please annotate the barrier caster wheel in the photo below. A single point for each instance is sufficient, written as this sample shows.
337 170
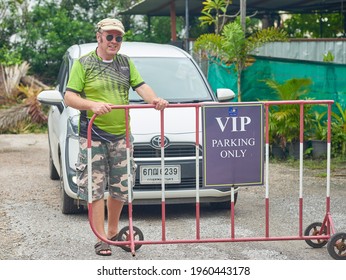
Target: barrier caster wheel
337 246
314 230
124 235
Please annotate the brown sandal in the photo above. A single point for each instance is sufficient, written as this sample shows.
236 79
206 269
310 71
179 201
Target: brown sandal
114 238
103 249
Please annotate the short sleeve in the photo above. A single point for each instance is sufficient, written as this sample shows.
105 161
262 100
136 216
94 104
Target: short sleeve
77 77
136 79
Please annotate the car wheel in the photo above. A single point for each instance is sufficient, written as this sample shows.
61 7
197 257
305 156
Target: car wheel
224 204
53 173
67 205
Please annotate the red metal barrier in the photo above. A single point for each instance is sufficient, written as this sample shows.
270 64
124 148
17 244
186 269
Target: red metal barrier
321 232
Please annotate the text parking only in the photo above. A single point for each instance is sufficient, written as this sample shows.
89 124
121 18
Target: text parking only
233 145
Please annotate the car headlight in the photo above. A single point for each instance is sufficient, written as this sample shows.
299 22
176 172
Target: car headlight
74 179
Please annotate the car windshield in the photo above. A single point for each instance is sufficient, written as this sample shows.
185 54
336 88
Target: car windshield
174 79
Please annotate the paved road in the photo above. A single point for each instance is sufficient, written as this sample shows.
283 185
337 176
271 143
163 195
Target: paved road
33 228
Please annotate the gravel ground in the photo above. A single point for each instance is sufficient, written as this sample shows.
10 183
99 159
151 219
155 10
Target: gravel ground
33 228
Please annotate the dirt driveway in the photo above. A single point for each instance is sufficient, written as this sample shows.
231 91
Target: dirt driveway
32 226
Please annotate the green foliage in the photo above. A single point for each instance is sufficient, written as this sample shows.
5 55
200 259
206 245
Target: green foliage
211 44
292 89
264 36
160 31
319 126
285 119
234 47
315 25
329 57
44 32
9 24
234 43
339 131
45 41
213 12
9 57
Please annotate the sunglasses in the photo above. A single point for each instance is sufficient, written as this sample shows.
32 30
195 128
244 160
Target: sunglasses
110 37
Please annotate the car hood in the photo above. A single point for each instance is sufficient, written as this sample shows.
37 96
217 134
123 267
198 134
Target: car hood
179 123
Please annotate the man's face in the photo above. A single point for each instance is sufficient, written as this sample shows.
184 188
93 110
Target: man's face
109 42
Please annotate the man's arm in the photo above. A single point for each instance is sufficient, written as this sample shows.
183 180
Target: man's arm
75 101
149 96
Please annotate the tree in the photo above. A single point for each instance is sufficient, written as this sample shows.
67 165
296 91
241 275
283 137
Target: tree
44 42
10 10
214 12
235 44
232 46
316 25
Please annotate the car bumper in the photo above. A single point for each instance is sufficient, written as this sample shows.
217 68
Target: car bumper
185 192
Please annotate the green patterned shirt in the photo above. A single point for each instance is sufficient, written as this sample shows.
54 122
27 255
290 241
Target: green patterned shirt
107 82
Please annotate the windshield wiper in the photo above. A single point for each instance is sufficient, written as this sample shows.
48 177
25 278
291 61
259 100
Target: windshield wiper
196 101
137 101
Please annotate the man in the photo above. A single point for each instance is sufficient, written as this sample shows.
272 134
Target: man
97 81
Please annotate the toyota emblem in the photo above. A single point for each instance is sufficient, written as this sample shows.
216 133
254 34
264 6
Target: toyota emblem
155 142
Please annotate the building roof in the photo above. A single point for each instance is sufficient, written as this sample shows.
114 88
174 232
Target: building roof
162 7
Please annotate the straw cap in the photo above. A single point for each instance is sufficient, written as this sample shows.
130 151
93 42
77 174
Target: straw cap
108 24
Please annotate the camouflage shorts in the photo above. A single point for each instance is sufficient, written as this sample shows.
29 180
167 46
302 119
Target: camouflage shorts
109 168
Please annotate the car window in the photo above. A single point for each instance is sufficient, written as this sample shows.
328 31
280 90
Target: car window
175 79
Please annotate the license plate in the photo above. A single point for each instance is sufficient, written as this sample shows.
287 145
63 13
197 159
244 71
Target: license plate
152 174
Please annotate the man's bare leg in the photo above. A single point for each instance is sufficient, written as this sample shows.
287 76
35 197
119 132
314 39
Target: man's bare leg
98 211
114 211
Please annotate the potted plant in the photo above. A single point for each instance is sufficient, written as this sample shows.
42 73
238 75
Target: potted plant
319 135
277 142
285 119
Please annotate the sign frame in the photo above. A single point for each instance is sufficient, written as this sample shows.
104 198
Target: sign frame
233 145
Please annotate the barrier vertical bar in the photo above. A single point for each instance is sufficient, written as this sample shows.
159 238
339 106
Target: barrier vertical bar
129 181
232 213
198 230
267 173
89 156
330 225
329 122
301 152
163 199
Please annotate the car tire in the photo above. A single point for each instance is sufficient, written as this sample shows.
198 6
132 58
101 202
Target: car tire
224 204
67 205
53 173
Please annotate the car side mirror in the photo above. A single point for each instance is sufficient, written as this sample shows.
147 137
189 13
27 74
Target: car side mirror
225 94
52 98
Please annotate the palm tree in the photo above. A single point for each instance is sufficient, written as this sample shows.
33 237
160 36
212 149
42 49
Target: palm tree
232 47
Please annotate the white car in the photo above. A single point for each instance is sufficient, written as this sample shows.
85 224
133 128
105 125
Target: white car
175 76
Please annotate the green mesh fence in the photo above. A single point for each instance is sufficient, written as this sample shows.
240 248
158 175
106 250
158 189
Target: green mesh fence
328 79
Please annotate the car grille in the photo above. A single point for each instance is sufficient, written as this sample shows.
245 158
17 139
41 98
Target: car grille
187 183
173 150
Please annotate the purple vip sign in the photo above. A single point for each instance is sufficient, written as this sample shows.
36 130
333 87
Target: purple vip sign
233 145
